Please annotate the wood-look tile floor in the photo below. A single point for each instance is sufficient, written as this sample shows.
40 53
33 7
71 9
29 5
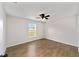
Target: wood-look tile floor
42 48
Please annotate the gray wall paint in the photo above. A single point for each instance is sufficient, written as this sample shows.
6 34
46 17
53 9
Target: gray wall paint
62 30
17 30
61 26
2 30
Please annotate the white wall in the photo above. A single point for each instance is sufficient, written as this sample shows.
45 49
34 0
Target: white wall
62 30
78 30
58 29
17 30
78 26
2 30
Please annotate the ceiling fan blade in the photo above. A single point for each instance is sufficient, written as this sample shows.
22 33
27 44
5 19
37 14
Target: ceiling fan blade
47 16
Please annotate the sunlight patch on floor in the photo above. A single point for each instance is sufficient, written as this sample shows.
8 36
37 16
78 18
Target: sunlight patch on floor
31 50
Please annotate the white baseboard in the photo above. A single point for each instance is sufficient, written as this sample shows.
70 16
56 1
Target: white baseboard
22 42
63 42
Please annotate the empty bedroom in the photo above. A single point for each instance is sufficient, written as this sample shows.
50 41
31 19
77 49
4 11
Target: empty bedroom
39 29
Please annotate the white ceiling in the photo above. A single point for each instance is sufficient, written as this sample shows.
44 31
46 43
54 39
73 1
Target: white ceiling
32 9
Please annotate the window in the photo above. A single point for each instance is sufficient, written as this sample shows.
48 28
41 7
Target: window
32 30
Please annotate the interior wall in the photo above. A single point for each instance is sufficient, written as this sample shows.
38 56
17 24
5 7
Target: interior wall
62 30
2 30
78 30
17 31
78 26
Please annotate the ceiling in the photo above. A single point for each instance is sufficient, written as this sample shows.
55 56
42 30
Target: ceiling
31 10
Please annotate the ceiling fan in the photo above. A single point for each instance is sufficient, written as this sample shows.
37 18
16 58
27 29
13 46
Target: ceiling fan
43 16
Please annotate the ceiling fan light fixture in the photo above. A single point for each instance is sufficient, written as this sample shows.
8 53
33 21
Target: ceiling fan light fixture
43 16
